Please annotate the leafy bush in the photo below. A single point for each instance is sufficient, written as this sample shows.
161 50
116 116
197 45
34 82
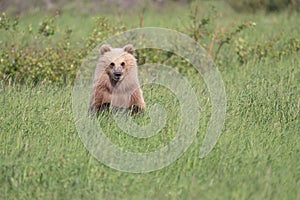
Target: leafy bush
48 54
41 57
270 48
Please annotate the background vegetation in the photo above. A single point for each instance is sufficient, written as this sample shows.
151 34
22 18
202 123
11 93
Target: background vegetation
256 48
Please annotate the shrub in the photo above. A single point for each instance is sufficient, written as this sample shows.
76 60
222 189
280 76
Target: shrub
268 49
41 57
48 55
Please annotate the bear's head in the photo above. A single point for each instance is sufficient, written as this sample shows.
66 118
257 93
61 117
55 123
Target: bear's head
117 62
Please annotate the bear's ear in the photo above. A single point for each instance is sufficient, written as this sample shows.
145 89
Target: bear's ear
104 48
129 48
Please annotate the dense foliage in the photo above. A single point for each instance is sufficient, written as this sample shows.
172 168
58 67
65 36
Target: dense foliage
48 54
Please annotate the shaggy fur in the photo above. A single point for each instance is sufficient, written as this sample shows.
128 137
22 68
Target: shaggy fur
116 80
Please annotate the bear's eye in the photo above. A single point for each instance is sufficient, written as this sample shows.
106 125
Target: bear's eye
123 64
112 64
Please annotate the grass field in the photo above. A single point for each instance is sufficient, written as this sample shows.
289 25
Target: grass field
256 157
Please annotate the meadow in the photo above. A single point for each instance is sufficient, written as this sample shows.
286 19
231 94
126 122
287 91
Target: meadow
256 156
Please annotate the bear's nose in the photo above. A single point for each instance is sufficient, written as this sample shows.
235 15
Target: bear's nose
117 74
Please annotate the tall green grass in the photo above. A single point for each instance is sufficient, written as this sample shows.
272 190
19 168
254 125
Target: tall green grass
256 157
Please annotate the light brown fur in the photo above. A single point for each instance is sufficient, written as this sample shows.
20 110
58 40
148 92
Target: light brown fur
122 91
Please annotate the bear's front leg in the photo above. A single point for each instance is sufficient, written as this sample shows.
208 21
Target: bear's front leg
137 102
100 101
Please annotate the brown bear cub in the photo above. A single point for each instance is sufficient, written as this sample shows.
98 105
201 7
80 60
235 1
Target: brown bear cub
116 81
